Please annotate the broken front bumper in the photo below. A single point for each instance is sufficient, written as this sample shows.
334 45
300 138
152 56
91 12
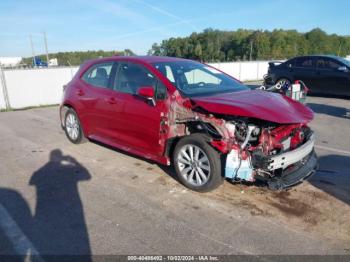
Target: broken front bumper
288 169
291 157
294 166
290 177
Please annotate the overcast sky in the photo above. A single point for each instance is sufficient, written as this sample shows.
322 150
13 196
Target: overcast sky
136 24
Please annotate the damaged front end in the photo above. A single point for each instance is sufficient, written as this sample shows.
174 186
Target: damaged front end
282 155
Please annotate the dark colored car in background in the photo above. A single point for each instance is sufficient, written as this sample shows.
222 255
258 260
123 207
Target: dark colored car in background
325 75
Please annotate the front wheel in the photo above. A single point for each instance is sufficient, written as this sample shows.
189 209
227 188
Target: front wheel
197 164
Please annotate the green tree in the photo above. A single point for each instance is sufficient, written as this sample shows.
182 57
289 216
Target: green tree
76 58
215 45
198 51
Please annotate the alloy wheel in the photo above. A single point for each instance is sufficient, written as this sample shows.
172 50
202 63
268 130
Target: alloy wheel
72 126
194 165
283 83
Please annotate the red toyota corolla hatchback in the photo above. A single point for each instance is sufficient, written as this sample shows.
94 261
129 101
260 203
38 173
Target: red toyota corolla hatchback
203 121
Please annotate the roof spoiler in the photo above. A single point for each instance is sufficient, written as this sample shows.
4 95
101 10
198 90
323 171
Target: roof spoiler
274 63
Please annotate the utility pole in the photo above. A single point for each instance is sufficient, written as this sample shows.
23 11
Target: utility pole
32 46
339 48
46 50
251 50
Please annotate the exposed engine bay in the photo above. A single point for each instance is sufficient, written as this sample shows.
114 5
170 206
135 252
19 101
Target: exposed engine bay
266 150
254 149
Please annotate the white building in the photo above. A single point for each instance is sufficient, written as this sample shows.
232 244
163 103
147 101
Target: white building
53 62
10 61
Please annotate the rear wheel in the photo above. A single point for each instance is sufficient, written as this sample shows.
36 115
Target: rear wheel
197 164
72 127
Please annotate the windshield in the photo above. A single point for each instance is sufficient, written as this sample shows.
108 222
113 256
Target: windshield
344 61
196 79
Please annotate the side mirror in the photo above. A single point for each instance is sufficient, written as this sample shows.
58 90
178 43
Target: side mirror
147 92
343 69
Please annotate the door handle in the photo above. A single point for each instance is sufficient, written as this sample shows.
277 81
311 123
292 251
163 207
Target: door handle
111 100
80 92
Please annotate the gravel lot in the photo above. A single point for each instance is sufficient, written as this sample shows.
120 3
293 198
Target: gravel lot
109 202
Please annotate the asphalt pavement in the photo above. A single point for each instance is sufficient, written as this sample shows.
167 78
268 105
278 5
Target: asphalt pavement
61 198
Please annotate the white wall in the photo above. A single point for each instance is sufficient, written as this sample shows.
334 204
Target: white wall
36 87
10 61
244 71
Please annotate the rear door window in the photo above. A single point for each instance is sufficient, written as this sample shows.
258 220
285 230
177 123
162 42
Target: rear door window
305 62
98 75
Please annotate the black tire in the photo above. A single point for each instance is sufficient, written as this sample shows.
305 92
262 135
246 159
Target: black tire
214 176
79 138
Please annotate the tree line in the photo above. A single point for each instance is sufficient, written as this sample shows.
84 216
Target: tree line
76 58
218 46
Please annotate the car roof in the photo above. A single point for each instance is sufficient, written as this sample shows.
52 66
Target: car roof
144 59
328 56
154 59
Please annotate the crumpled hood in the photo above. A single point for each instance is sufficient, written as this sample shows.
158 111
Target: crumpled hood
257 104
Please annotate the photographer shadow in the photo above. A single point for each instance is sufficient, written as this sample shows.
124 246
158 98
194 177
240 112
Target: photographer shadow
59 226
57 231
